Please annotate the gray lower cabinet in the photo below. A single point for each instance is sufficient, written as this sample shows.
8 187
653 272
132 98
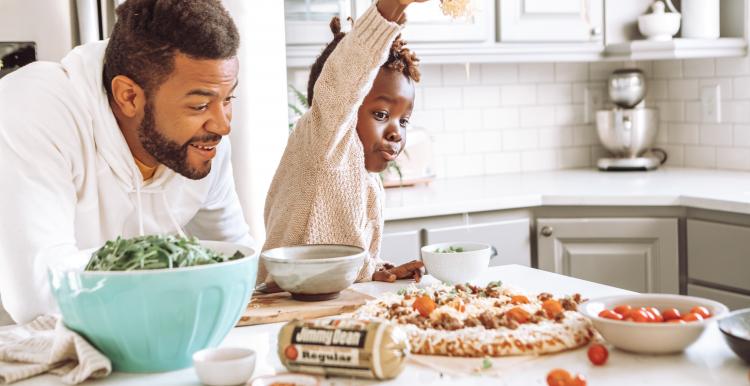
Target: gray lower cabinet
400 247
732 300
719 254
510 238
639 254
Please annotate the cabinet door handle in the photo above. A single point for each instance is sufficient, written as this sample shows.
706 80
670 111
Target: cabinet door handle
547 231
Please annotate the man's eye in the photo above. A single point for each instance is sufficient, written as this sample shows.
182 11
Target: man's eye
380 115
404 123
228 99
200 107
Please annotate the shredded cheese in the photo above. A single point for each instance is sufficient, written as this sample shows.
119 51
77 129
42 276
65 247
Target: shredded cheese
456 8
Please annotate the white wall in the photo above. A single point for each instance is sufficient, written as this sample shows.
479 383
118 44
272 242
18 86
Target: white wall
259 124
47 22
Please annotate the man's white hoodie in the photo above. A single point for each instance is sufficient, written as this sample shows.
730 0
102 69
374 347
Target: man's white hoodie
69 180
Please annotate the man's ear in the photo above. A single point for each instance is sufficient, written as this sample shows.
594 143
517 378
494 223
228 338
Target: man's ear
128 96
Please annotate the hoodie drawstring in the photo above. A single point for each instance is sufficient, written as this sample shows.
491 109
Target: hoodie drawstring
171 216
139 204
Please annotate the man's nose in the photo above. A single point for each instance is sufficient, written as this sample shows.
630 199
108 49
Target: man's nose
221 117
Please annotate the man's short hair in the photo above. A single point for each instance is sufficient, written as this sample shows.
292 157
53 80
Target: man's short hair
148 34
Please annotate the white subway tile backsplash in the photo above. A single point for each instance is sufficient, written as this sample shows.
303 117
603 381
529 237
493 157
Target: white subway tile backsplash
696 68
481 96
500 118
430 75
675 154
742 135
683 89
574 157
457 75
671 111
567 115
726 85
715 134
432 120
733 158
667 69
482 142
463 120
683 133
657 89
700 157
733 66
693 112
499 73
464 165
537 116
570 72
555 137
520 139
536 72
742 88
518 95
448 143
585 135
539 160
550 94
736 111
602 70
442 97
506 162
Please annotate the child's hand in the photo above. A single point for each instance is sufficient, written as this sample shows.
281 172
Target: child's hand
393 10
390 273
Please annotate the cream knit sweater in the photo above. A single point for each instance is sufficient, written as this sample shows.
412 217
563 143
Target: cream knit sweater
322 193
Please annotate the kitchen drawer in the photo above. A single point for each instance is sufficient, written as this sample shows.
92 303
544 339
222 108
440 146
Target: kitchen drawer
732 300
400 247
718 253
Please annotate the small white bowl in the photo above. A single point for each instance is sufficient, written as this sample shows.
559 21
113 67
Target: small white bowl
224 366
314 272
659 26
651 338
457 267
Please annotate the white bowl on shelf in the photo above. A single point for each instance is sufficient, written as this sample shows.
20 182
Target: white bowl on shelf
651 338
659 26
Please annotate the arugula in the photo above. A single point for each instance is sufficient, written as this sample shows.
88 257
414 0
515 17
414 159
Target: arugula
153 252
450 249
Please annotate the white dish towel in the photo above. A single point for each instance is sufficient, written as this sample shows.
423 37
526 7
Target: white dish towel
45 345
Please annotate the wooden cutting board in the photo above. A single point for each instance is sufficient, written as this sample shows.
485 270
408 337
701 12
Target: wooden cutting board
280 307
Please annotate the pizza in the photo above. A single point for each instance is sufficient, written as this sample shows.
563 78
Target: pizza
469 321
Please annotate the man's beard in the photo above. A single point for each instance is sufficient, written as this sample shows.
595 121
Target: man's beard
168 152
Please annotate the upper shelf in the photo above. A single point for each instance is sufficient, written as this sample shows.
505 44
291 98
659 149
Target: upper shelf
677 48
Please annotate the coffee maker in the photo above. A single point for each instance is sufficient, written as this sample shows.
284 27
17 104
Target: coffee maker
628 129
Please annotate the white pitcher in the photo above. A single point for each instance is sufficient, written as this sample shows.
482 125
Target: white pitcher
700 18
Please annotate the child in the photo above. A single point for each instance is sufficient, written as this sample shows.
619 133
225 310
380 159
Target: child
326 189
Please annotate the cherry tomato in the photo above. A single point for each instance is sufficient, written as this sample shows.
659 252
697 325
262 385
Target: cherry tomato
640 316
598 354
552 307
658 318
623 309
609 314
692 317
424 305
579 380
671 314
519 299
558 377
519 315
702 311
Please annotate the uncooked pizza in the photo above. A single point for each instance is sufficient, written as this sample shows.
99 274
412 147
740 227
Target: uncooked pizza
470 321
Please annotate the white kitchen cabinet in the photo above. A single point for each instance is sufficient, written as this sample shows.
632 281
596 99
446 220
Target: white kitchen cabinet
638 254
307 21
551 20
428 24
510 238
400 247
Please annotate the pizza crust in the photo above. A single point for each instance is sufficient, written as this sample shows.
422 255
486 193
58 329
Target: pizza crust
545 336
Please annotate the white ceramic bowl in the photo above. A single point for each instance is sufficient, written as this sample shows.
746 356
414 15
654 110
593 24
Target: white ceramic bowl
659 26
651 338
224 366
314 272
457 267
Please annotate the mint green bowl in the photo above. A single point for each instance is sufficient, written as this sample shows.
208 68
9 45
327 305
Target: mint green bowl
153 321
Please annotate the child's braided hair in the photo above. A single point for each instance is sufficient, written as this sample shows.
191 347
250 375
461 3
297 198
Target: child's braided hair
400 58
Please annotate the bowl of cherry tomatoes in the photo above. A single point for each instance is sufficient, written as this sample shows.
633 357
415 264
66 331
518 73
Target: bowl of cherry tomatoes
651 323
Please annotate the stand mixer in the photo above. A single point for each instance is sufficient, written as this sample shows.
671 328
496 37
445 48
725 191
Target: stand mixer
628 130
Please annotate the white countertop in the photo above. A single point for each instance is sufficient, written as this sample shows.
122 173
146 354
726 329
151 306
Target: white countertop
696 188
707 362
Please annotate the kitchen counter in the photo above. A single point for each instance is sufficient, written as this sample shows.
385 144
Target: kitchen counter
696 188
707 362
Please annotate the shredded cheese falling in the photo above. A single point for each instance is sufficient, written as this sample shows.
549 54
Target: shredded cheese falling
456 8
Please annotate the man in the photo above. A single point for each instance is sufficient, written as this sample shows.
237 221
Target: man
121 138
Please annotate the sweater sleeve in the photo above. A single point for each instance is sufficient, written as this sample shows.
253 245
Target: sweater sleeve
38 197
345 80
